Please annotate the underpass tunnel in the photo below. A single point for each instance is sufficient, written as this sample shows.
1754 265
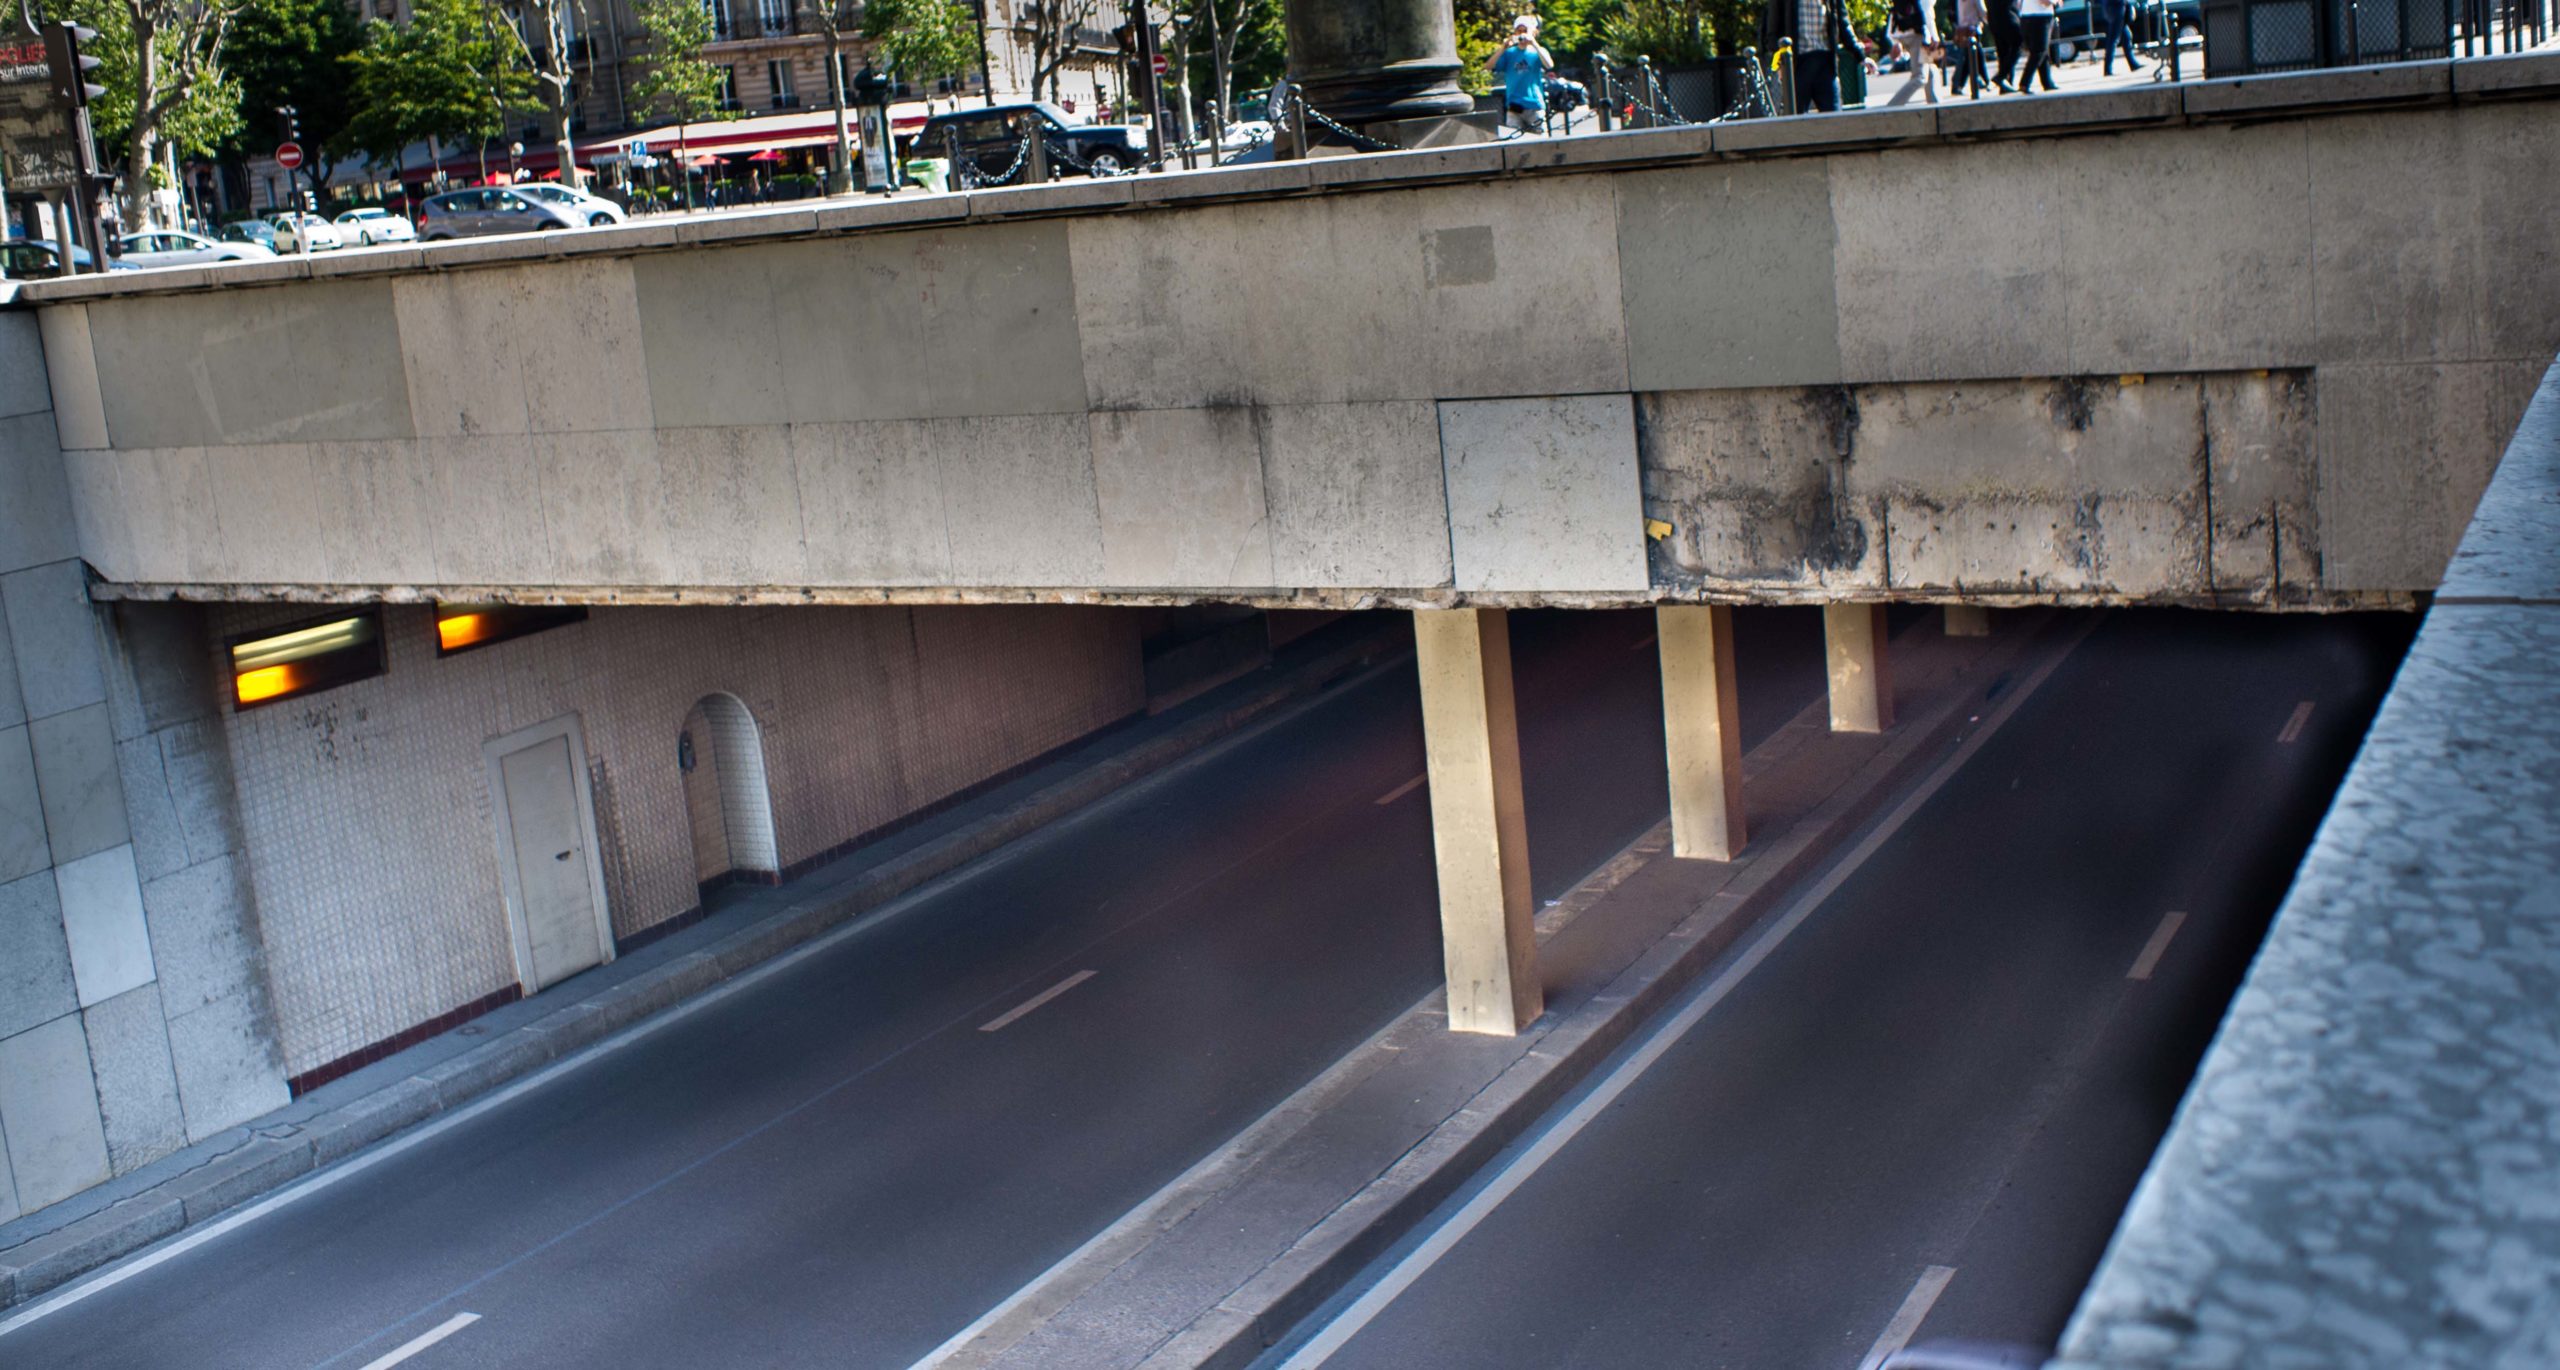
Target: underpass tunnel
720 752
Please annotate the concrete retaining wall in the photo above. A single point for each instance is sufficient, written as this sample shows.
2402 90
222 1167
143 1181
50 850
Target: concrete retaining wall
1271 383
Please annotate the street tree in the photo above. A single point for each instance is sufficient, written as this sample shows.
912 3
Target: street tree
1053 25
1242 43
447 75
167 91
293 53
540 30
679 84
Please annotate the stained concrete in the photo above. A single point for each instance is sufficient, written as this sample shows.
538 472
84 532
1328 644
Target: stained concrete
1180 493
1707 306
75 764
137 1089
321 361
1543 494
49 1110
55 638
35 964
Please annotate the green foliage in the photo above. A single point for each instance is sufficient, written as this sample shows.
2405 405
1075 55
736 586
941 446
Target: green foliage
1679 32
920 41
195 102
1564 28
450 75
293 52
679 85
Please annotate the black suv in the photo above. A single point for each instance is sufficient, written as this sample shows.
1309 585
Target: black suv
991 150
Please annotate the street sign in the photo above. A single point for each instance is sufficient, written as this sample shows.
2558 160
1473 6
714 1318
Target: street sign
35 130
1161 65
289 155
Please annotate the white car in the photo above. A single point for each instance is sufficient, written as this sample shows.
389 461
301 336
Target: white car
170 247
592 210
370 226
305 233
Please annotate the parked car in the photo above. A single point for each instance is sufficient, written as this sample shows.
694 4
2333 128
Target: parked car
170 247
988 142
305 233
373 225
26 259
490 209
257 231
595 209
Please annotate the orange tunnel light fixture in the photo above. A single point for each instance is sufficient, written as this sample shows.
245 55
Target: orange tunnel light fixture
264 683
465 629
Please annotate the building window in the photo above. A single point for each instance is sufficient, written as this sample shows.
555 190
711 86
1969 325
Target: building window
729 88
272 666
721 28
776 16
464 627
779 75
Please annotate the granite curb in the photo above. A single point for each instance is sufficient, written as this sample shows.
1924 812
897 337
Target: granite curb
1092 1298
249 1162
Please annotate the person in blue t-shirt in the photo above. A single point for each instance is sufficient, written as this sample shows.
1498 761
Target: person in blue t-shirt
1523 66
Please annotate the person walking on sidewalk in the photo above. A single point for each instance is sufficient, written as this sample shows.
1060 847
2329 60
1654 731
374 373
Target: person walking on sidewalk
1523 66
2035 36
1915 31
2117 15
2001 17
1965 71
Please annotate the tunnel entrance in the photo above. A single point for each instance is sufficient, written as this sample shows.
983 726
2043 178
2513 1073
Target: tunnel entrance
721 755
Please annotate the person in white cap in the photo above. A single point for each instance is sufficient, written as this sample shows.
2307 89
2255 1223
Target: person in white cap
1523 66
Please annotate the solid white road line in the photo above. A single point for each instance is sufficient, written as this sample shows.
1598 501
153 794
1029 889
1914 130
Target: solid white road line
422 1341
2152 950
1907 1319
1702 1000
1035 1001
1400 791
2293 725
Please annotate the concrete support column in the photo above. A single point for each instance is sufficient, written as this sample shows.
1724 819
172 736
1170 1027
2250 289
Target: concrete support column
1472 737
1861 680
1968 620
1702 728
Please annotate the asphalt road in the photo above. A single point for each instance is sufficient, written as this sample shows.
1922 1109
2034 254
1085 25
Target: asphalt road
839 1166
1947 1079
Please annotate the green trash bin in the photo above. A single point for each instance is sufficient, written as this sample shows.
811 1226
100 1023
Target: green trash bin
930 172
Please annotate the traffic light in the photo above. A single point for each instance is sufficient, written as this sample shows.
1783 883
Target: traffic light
289 120
70 67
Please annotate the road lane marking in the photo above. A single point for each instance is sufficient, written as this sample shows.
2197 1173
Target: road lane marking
1035 1001
1699 1001
2152 950
2293 725
1644 642
1907 1319
422 1341
1400 791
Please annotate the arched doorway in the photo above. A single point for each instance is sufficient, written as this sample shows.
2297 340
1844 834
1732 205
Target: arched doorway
721 754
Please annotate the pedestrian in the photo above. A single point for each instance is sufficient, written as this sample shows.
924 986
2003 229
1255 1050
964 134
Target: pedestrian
2035 39
1523 66
2118 17
1816 31
2001 16
1915 31
1967 69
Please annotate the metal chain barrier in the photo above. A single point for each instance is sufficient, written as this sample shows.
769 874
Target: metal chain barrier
973 179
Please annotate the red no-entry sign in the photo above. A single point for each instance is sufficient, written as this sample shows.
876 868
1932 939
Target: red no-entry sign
1162 66
289 155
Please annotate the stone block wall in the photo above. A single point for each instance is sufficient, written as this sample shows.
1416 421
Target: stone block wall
133 1014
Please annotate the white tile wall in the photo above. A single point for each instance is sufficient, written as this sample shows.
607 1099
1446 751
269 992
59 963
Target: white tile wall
366 814
746 804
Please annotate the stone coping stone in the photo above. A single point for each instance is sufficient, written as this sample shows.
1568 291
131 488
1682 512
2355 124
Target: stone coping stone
51 1247
2364 1171
2286 92
1075 193
1619 147
2521 73
1222 1263
1848 128
2120 107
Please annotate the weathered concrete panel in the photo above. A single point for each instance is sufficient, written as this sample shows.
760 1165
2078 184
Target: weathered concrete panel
2506 155
1356 494
871 500
55 637
226 1065
485 509
1728 276
205 952
270 512
1186 311
137 1088
103 924
75 759
22 846
2264 495
173 526
1181 497
1951 263
733 504
23 388
2404 454
71 374
49 1110
1544 494
1753 485
1018 502
604 508
383 502
2383 205
35 501
941 323
314 361
2187 253
35 963
528 349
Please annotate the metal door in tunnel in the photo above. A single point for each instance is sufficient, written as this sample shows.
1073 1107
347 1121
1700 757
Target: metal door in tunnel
547 859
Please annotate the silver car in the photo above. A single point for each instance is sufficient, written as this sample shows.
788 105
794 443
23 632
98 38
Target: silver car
487 210
170 247
594 209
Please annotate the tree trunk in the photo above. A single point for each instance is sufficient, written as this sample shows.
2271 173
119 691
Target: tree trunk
840 178
138 154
